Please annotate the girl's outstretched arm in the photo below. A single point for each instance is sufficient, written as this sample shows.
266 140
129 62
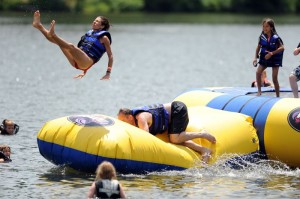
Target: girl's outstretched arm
106 43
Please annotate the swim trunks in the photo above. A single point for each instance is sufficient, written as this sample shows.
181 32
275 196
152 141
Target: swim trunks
296 72
179 118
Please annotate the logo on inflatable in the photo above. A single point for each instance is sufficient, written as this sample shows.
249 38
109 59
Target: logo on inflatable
91 120
294 119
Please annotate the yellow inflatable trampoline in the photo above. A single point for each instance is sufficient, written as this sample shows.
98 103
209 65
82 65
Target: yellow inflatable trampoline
84 141
277 120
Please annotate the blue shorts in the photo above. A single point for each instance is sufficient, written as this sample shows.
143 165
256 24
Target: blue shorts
296 72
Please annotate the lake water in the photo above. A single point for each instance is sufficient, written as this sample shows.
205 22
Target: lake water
152 63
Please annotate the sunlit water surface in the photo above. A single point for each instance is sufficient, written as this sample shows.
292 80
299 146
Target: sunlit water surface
152 63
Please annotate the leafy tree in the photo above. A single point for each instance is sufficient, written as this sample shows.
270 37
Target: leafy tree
264 6
172 6
53 5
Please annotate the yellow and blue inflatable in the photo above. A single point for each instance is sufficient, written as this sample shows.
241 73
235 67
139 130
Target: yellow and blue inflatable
84 141
277 120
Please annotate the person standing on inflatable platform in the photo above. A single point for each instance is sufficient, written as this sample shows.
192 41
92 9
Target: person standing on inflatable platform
295 75
106 184
270 53
173 117
90 48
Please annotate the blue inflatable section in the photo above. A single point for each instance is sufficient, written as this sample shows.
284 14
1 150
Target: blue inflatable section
256 107
63 154
246 90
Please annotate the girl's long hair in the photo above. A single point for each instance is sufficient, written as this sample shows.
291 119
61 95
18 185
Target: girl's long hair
272 25
105 23
106 170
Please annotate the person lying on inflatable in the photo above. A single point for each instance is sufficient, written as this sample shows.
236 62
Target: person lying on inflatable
8 127
5 153
264 81
173 117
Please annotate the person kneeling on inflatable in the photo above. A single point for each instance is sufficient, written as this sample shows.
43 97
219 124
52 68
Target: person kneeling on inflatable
173 117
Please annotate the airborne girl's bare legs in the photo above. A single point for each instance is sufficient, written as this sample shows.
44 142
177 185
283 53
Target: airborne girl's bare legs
75 55
38 25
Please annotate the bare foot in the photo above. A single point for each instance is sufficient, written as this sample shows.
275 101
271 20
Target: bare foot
37 20
51 32
258 94
208 137
206 155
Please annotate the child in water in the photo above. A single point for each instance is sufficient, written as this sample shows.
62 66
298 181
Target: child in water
4 153
8 127
106 184
90 48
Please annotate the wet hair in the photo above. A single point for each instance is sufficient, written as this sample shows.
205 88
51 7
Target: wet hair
4 147
105 23
8 122
125 111
106 170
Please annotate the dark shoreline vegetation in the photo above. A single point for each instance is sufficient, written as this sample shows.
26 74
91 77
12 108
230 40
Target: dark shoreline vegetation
141 17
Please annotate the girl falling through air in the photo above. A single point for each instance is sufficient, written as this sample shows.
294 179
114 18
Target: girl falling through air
90 48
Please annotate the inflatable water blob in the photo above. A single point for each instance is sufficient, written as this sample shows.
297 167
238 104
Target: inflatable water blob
84 141
277 120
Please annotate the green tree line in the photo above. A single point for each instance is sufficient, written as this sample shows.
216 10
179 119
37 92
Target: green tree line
155 6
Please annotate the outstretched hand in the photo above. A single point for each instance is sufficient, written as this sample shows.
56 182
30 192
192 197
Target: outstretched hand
79 76
296 51
106 77
254 62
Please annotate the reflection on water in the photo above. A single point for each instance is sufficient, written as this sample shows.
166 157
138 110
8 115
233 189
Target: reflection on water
66 175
